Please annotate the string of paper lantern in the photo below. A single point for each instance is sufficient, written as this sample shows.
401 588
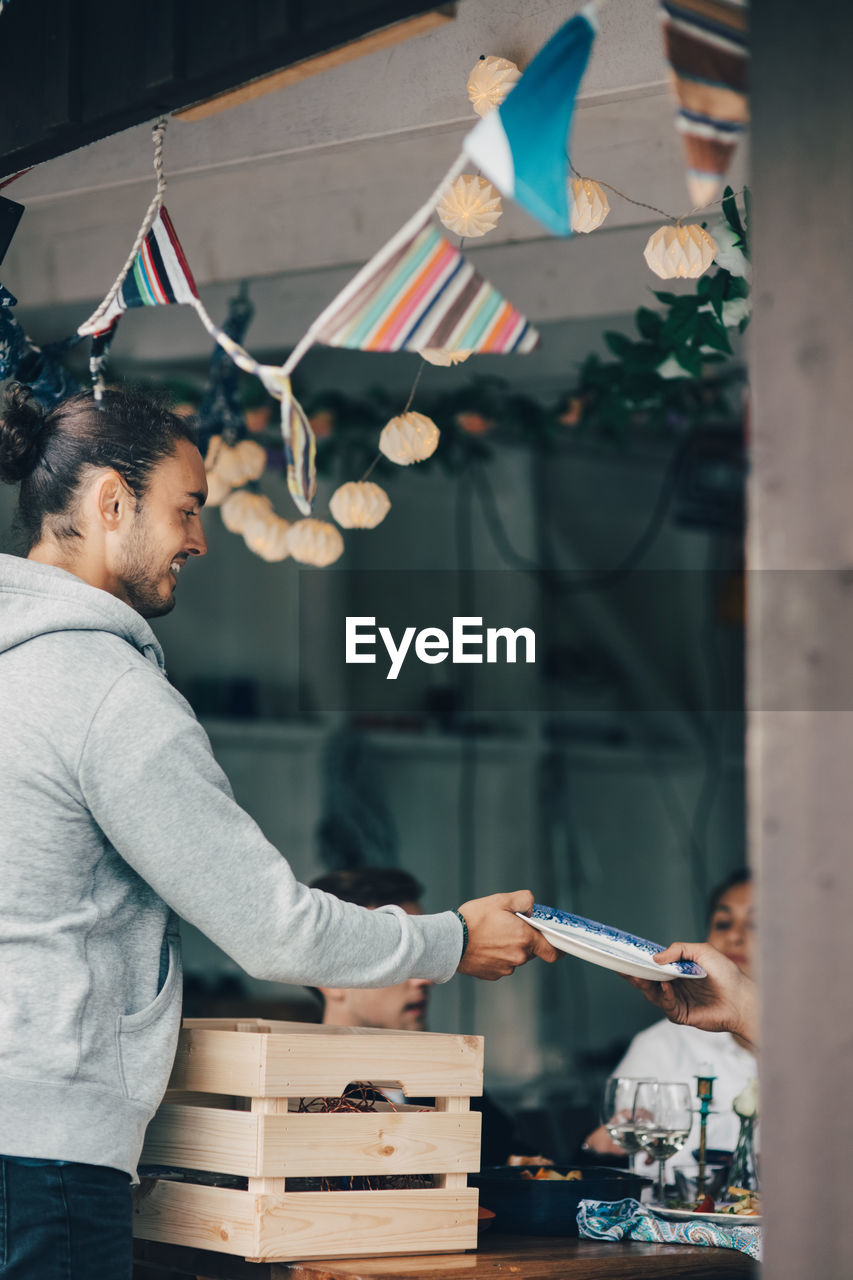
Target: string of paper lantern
678 250
472 205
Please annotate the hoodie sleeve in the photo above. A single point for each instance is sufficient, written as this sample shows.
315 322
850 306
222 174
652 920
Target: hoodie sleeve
149 778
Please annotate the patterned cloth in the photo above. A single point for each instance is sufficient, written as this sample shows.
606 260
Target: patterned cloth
630 1220
419 291
221 409
12 337
521 145
706 45
39 368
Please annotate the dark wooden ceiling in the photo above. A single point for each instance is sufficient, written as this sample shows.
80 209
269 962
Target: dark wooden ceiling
78 70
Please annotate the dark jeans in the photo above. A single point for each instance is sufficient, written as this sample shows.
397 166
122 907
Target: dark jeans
64 1222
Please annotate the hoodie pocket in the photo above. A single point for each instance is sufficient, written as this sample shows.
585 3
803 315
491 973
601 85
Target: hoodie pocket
147 1039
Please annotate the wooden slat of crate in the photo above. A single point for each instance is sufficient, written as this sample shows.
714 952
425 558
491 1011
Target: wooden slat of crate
344 1223
372 1144
203 1138
297 1059
308 1224
200 1217
209 1061
313 1144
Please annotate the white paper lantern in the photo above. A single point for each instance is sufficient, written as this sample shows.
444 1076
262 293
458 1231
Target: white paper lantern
471 206
253 457
490 82
237 464
444 356
267 538
239 507
679 252
256 522
409 438
218 489
359 505
314 542
226 463
589 205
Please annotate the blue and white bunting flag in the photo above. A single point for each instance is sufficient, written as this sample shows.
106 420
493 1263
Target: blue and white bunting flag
521 146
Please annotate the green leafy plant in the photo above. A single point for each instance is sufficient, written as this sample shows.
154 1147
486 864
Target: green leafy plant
645 382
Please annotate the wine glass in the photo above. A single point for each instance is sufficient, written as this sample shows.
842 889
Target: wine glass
617 1110
662 1119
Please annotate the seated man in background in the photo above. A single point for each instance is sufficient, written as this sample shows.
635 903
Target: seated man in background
403 1006
667 1051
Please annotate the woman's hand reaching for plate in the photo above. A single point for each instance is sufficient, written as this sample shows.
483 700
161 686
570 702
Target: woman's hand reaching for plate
725 1000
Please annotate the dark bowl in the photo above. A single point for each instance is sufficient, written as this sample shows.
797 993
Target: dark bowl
549 1208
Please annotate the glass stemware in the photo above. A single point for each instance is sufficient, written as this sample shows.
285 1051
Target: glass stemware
662 1118
617 1110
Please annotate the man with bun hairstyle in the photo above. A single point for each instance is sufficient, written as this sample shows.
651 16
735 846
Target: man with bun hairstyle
116 819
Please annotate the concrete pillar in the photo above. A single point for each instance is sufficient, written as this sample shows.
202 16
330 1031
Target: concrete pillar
801 626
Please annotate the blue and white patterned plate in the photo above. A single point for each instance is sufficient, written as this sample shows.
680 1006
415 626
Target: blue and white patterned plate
603 945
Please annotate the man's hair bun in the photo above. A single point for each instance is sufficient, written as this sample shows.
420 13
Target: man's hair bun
20 433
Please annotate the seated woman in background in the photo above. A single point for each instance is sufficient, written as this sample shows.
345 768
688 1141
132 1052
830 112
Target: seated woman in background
666 1051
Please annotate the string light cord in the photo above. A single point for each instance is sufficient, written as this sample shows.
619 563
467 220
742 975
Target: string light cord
406 409
641 204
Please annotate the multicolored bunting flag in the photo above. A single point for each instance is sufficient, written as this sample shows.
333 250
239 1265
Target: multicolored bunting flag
706 42
420 291
158 275
521 146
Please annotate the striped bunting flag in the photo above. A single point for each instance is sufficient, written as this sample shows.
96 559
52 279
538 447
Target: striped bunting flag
706 42
158 276
419 291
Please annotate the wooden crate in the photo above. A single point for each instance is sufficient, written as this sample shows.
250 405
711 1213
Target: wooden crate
231 1108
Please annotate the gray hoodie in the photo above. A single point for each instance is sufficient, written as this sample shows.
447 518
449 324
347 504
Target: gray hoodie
114 816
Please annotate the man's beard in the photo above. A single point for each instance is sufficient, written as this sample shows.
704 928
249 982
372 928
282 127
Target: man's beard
141 575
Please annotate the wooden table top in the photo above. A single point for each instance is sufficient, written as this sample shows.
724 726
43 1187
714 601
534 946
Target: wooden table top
508 1257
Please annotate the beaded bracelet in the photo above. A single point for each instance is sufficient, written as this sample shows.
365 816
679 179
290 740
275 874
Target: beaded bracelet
464 932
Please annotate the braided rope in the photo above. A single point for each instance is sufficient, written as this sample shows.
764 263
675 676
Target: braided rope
158 132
